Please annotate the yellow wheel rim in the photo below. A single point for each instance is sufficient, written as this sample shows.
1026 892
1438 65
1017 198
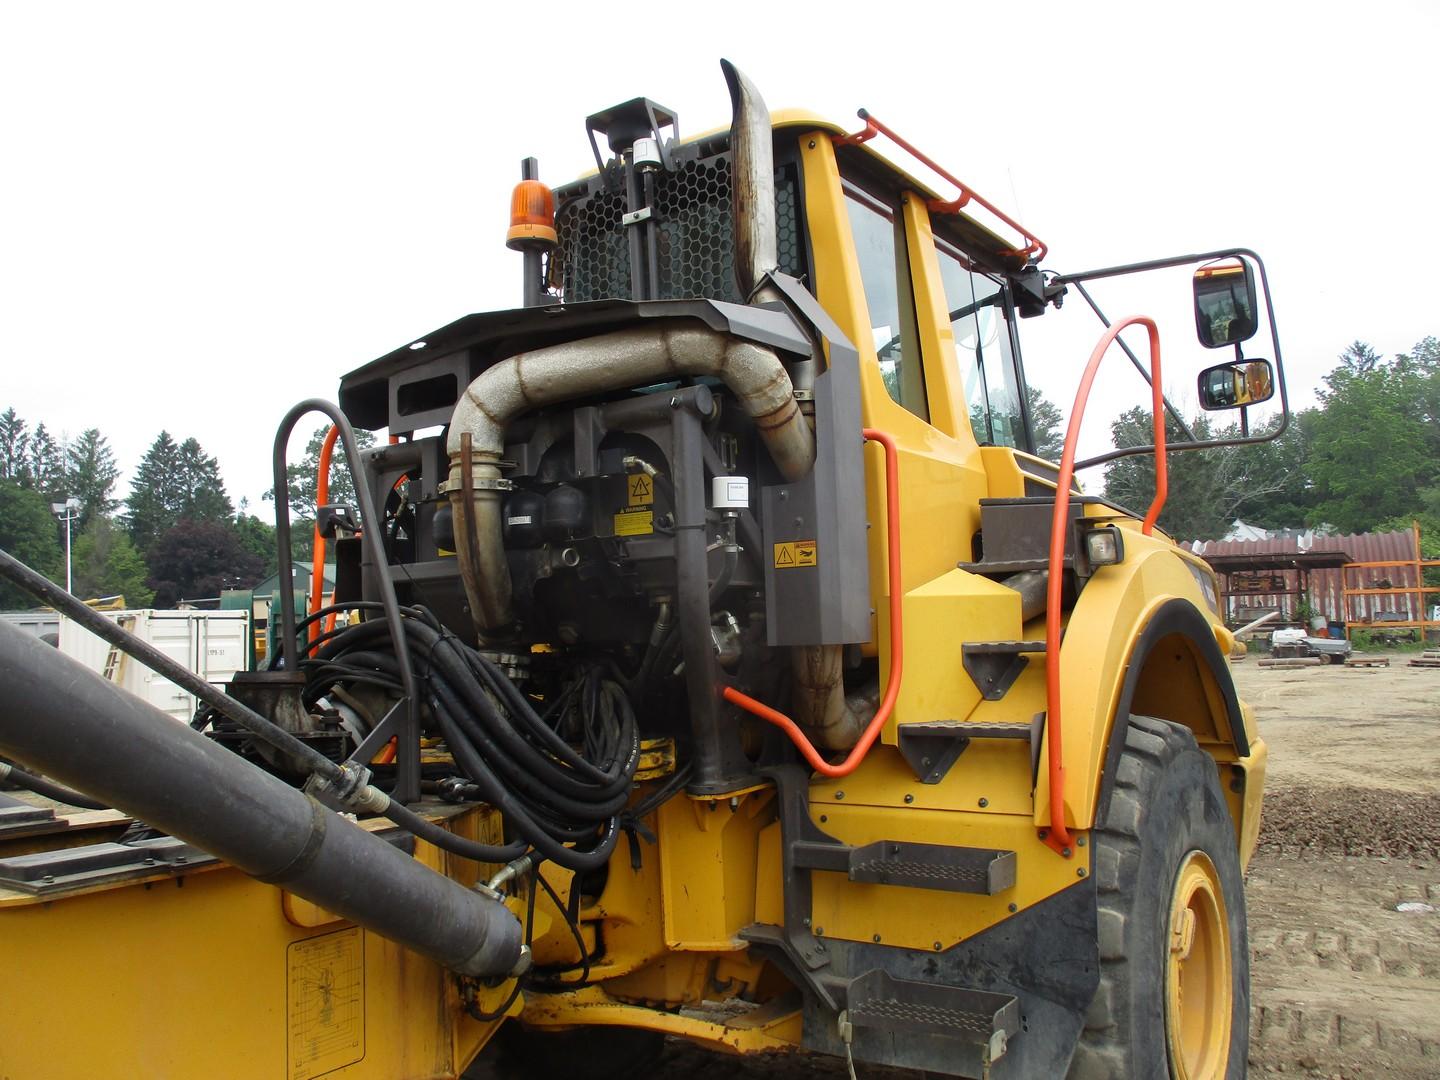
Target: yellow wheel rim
1199 991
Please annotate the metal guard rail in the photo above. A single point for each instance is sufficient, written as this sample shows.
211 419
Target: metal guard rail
1034 246
1058 836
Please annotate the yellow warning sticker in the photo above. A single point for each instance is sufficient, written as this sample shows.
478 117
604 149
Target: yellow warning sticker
325 1002
796 553
634 523
641 490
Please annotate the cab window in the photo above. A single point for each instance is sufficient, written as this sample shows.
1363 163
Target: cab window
879 237
983 348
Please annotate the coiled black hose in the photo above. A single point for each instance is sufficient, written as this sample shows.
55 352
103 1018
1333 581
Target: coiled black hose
550 794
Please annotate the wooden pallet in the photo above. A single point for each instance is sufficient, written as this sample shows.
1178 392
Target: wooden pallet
1368 661
1425 661
1291 662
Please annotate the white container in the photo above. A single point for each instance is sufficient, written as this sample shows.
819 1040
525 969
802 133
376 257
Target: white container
36 623
212 644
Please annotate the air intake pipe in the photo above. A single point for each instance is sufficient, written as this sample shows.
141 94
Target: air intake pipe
580 369
65 721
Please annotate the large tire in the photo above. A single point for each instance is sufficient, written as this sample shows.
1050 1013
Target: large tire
1167 871
586 1053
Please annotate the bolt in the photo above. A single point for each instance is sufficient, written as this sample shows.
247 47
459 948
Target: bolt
937 946
1080 841
875 938
1014 908
805 921
839 794
48 877
1080 871
734 802
984 802
818 931
924 761
824 818
799 521
149 860
812 144
1044 833
909 798
1065 852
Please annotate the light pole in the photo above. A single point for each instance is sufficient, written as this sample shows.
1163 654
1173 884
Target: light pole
67 510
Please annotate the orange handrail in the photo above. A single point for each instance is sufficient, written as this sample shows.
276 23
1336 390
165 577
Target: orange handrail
322 496
1058 836
1033 244
897 645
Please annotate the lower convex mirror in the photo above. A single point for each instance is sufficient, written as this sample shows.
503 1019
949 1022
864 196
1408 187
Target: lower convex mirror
1230 386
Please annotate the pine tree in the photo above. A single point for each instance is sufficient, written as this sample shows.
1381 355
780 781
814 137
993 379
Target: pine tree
27 531
156 495
91 474
203 495
14 447
46 465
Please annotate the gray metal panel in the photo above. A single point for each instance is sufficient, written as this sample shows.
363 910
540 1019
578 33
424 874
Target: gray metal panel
827 603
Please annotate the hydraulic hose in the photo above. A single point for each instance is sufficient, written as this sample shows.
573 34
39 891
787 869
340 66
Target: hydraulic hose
66 721
42 588
51 790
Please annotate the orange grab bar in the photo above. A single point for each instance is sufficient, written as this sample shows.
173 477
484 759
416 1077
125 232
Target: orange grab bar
322 496
1033 244
897 646
1059 836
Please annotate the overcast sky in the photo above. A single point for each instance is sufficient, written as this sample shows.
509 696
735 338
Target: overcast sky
214 210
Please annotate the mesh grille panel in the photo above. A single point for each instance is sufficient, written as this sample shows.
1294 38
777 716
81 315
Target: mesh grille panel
695 236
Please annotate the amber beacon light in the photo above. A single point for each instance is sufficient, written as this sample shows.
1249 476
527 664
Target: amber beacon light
532 217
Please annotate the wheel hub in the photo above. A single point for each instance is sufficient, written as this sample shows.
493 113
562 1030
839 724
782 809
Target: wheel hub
1199 991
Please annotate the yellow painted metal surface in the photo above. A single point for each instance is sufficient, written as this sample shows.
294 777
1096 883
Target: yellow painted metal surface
205 975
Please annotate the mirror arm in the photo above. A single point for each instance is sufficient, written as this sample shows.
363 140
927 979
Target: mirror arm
1245 421
1144 371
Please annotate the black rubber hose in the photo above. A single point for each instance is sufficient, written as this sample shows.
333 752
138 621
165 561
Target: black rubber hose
51 790
41 587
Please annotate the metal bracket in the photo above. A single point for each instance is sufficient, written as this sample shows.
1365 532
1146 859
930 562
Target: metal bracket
995 665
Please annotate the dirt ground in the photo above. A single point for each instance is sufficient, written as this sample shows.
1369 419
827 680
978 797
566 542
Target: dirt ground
1343 984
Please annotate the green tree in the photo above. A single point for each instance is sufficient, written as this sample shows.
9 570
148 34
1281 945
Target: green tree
28 532
1208 489
1045 424
45 466
174 482
258 538
14 447
104 562
302 477
195 560
1372 447
91 475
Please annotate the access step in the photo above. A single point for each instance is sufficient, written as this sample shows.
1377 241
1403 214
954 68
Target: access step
931 747
977 1018
981 871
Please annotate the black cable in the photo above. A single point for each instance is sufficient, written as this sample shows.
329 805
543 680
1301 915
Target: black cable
51 790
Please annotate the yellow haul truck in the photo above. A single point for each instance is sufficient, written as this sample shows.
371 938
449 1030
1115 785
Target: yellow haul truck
725 668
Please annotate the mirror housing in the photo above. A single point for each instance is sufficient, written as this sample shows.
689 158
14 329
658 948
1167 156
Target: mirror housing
1225 309
1234 386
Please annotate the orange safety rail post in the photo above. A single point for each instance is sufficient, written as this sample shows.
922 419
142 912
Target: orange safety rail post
897 645
317 565
1058 836
1033 244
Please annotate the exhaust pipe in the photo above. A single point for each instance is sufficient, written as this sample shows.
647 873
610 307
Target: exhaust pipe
65 721
752 182
580 369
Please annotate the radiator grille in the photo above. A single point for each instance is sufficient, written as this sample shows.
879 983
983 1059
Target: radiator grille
695 236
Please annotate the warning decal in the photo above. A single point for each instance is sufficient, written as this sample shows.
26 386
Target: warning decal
641 489
634 523
325 1002
795 553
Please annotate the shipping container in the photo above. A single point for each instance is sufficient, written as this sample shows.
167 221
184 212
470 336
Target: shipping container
40 624
212 644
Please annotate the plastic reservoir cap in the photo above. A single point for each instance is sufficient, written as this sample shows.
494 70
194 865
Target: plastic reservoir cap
730 492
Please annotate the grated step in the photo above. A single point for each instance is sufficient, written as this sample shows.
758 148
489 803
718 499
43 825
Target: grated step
977 1017
980 871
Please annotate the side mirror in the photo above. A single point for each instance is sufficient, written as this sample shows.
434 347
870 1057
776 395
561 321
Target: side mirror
1232 386
1225 303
